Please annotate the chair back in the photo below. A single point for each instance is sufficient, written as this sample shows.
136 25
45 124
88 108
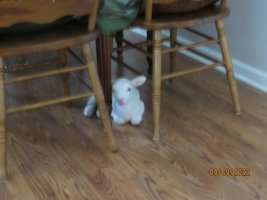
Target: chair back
45 11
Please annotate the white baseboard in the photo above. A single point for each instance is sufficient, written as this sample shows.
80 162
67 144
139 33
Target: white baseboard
243 72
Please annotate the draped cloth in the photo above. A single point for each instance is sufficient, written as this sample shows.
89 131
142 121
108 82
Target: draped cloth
115 15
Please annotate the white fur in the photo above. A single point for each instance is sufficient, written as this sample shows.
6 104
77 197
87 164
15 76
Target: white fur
123 91
90 107
126 103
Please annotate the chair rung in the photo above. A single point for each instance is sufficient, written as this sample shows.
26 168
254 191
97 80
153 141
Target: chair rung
129 47
138 47
200 33
198 44
200 53
48 102
126 65
19 67
43 74
74 55
202 68
81 80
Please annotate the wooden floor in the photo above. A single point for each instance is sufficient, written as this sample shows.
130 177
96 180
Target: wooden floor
57 153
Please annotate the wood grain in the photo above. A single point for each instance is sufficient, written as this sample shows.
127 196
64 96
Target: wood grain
62 155
2 124
41 12
13 44
178 21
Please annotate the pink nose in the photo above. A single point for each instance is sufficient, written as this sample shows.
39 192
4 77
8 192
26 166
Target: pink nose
120 101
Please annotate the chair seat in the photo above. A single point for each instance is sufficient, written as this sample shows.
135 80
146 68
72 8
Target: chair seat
180 6
50 39
182 20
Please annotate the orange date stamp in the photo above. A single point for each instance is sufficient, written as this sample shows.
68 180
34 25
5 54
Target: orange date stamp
229 171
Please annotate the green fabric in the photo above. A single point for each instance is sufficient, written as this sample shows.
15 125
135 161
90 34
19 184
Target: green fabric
114 15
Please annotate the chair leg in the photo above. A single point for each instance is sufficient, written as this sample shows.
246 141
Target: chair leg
156 81
118 38
173 35
87 53
62 53
3 173
149 37
228 66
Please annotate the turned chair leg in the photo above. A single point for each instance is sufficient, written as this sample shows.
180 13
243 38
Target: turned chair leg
62 54
228 66
87 53
156 82
3 173
173 35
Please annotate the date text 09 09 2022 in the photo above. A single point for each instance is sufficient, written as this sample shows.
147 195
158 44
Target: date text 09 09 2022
229 171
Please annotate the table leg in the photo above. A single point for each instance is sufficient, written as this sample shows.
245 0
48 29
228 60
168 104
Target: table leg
104 50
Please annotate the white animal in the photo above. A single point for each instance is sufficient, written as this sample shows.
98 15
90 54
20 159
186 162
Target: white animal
126 103
90 107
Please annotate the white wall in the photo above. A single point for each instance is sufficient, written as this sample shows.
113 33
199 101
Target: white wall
246 30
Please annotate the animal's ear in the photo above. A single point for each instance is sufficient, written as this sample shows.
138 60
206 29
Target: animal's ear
138 81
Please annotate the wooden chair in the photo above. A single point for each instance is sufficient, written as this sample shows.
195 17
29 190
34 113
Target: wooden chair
158 22
58 38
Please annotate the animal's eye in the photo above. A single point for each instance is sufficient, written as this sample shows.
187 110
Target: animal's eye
129 89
